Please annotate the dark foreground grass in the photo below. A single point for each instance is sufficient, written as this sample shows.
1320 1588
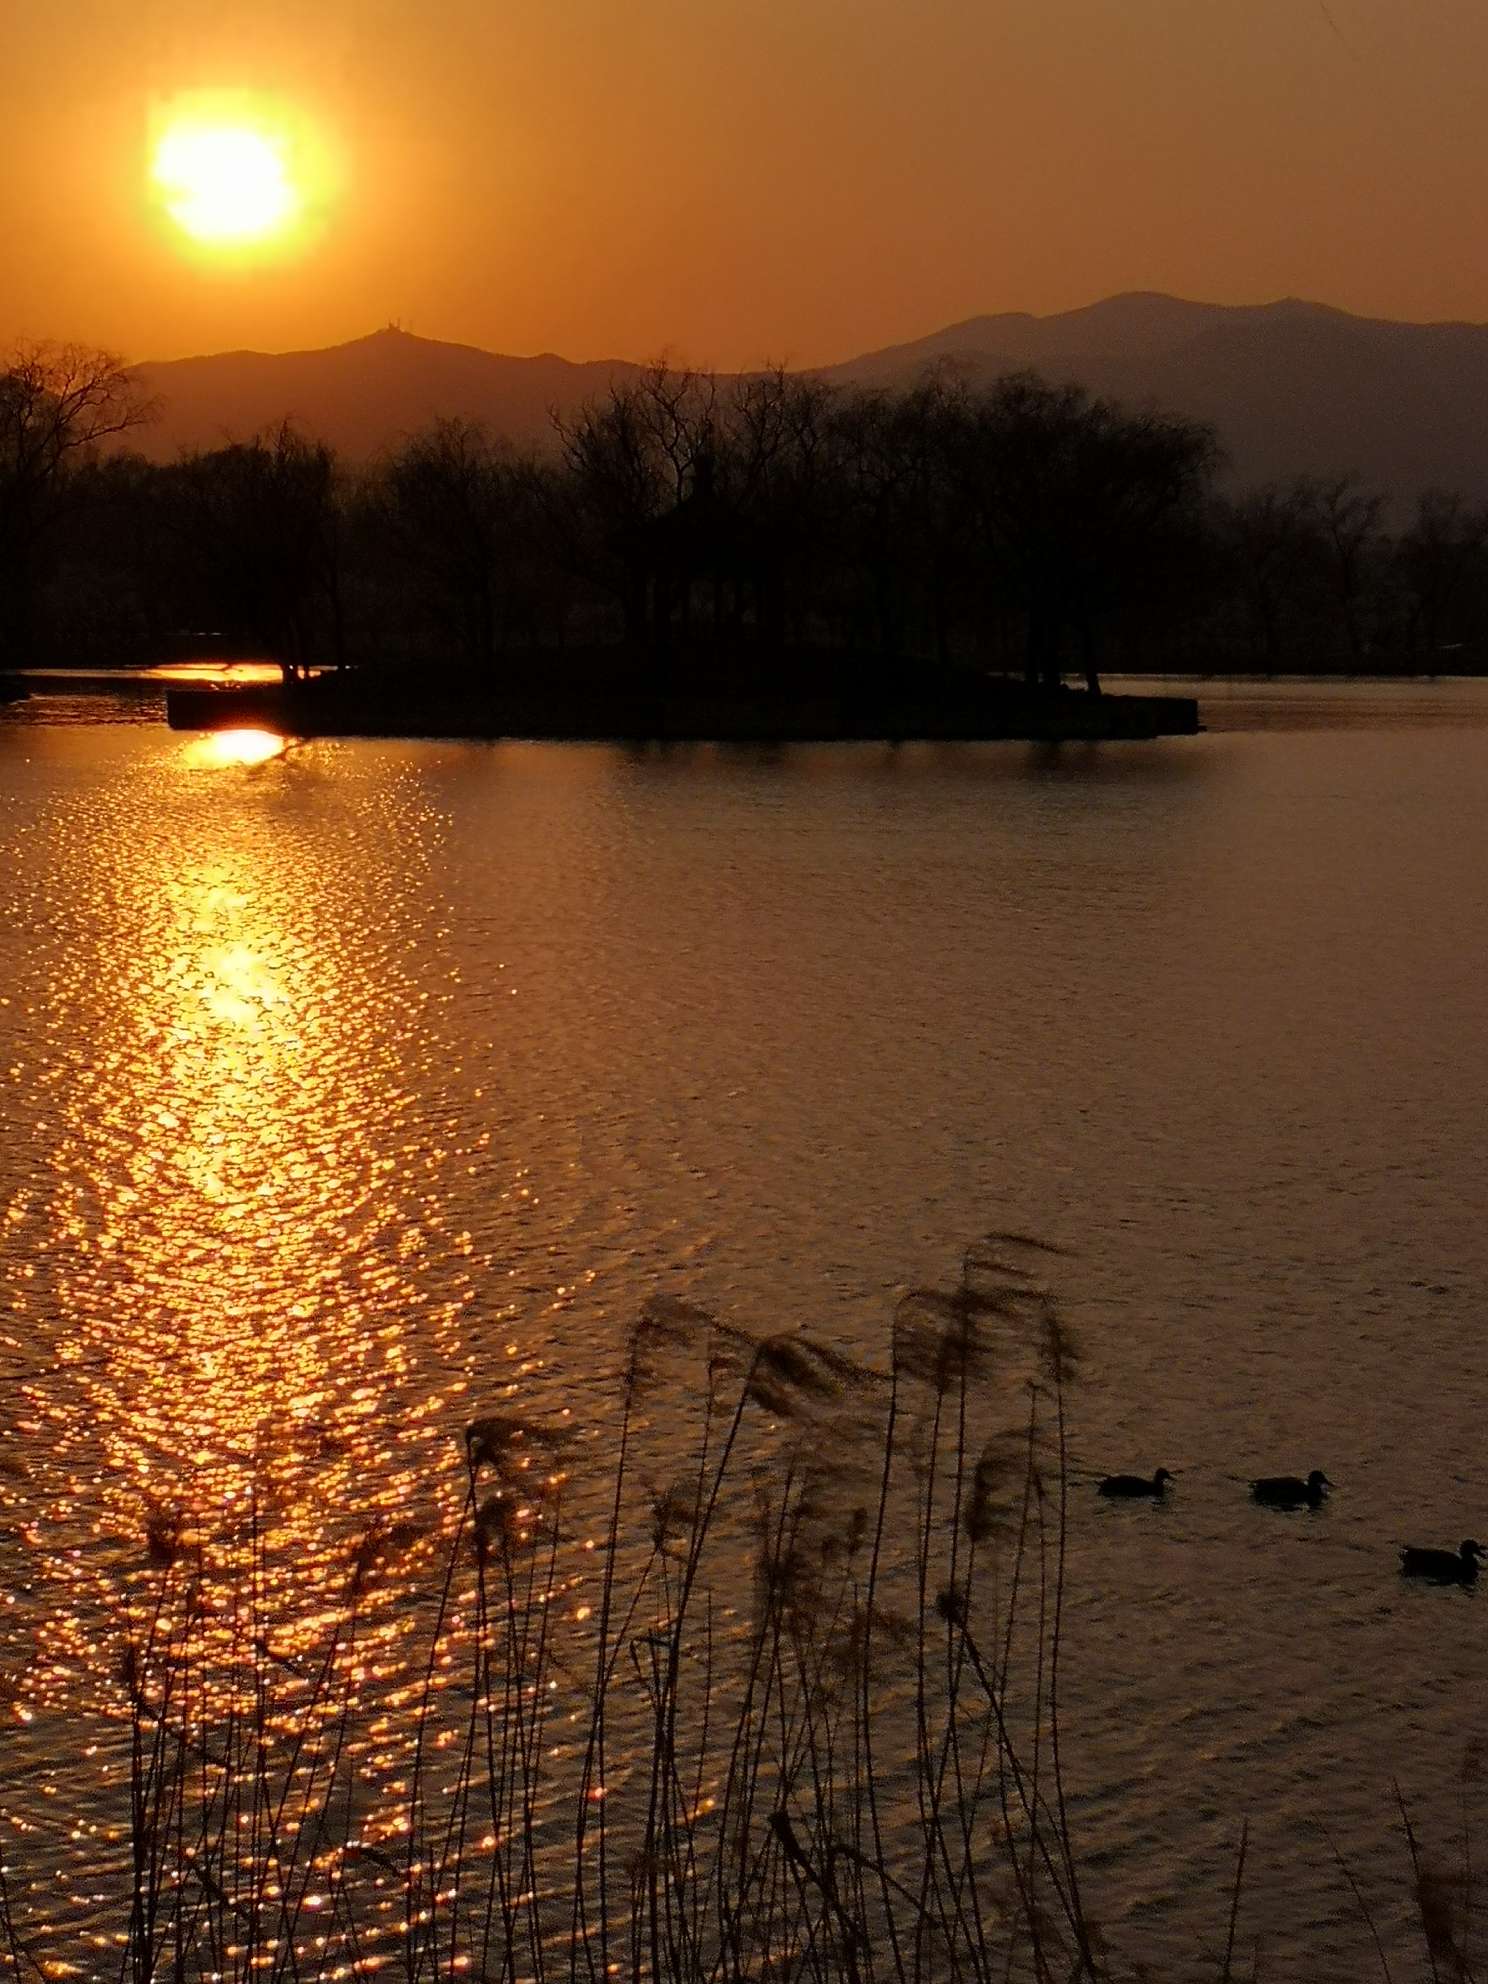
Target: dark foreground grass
806 1725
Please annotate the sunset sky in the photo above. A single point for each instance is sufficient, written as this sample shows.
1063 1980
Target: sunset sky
738 180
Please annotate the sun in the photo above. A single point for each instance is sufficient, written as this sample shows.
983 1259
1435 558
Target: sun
224 183
236 174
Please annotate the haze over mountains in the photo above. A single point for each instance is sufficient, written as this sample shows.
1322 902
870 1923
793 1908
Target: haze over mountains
1292 387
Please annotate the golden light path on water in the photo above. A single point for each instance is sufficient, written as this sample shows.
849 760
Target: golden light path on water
358 1092
254 1376
235 747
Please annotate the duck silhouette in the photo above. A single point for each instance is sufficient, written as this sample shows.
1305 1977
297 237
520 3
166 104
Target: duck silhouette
1289 1491
1458 1566
1130 1486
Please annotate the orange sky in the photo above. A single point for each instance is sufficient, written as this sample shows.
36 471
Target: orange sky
746 179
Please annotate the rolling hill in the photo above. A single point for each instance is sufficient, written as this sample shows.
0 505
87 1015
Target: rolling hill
1292 387
363 396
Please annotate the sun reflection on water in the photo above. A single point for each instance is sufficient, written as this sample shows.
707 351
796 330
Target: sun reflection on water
219 748
254 1321
239 1244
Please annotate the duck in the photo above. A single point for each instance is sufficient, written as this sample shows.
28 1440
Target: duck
1133 1485
1458 1566
1287 1491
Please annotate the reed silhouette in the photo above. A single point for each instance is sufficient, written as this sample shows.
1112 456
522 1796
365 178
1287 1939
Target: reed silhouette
805 1725
816 1675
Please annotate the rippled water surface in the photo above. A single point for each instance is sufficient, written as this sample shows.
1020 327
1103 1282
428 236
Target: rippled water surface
352 1091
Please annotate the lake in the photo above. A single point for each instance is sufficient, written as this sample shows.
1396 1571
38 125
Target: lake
355 1090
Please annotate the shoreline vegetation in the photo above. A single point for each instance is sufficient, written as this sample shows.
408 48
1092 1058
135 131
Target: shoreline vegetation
796 552
804 1725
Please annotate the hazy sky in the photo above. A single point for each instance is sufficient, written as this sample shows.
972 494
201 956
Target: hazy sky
736 180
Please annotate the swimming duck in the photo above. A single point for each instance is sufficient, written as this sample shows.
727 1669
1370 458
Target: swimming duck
1286 1491
1445 1566
1135 1484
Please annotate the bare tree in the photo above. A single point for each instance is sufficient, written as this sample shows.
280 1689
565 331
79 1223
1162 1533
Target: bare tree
1347 520
778 462
1437 557
1271 541
632 461
462 513
261 523
57 404
891 457
1074 503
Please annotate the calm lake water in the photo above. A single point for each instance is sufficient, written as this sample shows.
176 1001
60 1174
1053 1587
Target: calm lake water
349 1093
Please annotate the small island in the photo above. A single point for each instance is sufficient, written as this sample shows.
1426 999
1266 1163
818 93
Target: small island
611 695
768 558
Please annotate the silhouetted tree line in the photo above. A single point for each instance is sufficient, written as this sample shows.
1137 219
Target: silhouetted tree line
1018 526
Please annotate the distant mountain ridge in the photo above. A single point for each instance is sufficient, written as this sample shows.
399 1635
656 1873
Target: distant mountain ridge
1292 387
364 396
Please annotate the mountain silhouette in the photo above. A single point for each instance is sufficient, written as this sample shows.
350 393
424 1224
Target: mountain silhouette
1292 387
364 396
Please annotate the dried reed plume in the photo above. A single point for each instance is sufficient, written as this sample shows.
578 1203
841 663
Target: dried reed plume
788 1712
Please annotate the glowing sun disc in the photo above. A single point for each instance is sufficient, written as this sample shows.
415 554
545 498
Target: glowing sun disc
224 182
